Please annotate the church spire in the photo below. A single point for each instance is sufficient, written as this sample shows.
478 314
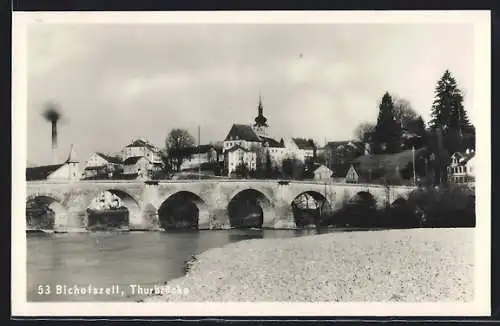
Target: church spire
72 155
260 120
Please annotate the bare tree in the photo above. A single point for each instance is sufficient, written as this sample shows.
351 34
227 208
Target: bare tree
178 140
404 112
363 130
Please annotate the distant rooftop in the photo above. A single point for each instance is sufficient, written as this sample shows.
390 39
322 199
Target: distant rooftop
272 142
109 158
41 172
132 160
242 132
303 143
141 143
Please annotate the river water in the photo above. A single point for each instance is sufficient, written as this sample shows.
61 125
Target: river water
115 261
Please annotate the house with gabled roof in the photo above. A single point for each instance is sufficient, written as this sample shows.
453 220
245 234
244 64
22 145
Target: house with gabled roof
462 169
100 165
199 156
322 173
141 147
242 135
66 171
301 148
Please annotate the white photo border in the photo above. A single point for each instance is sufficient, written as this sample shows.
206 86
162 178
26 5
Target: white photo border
482 95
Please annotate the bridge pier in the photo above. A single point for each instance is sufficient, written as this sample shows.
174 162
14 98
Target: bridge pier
284 218
269 217
149 219
136 221
219 219
75 219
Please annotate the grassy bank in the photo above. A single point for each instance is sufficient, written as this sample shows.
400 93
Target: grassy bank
394 265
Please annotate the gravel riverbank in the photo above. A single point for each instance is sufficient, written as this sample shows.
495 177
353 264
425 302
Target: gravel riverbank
413 265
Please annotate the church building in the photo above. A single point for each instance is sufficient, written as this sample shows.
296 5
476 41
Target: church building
251 139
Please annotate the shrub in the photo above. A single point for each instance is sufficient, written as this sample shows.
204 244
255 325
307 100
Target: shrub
426 207
445 207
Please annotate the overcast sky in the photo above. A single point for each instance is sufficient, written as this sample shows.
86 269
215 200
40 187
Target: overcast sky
117 82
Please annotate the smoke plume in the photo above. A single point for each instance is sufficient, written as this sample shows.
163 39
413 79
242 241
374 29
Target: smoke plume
52 115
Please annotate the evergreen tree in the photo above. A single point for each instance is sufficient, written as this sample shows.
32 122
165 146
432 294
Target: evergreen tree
448 112
420 126
387 135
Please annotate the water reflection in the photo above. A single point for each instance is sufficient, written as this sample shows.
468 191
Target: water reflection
120 258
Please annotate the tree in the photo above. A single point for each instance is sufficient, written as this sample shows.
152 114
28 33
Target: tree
321 158
315 149
419 126
287 167
293 168
269 165
447 111
363 131
439 157
404 113
242 170
178 140
387 134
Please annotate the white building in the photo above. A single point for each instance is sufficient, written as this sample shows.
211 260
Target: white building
277 150
300 148
243 136
67 171
141 147
237 155
200 155
462 169
100 164
322 173
139 167
254 139
352 175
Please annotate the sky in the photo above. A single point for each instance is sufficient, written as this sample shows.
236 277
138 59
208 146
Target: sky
114 83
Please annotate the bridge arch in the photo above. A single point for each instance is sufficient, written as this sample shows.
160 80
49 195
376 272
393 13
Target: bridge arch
311 208
44 212
126 209
250 208
364 197
183 210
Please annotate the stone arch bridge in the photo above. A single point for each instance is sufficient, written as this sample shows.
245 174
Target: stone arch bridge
144 200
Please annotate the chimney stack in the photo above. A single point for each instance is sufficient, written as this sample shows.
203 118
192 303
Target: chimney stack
55 159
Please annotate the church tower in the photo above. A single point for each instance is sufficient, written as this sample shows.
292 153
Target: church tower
260 126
